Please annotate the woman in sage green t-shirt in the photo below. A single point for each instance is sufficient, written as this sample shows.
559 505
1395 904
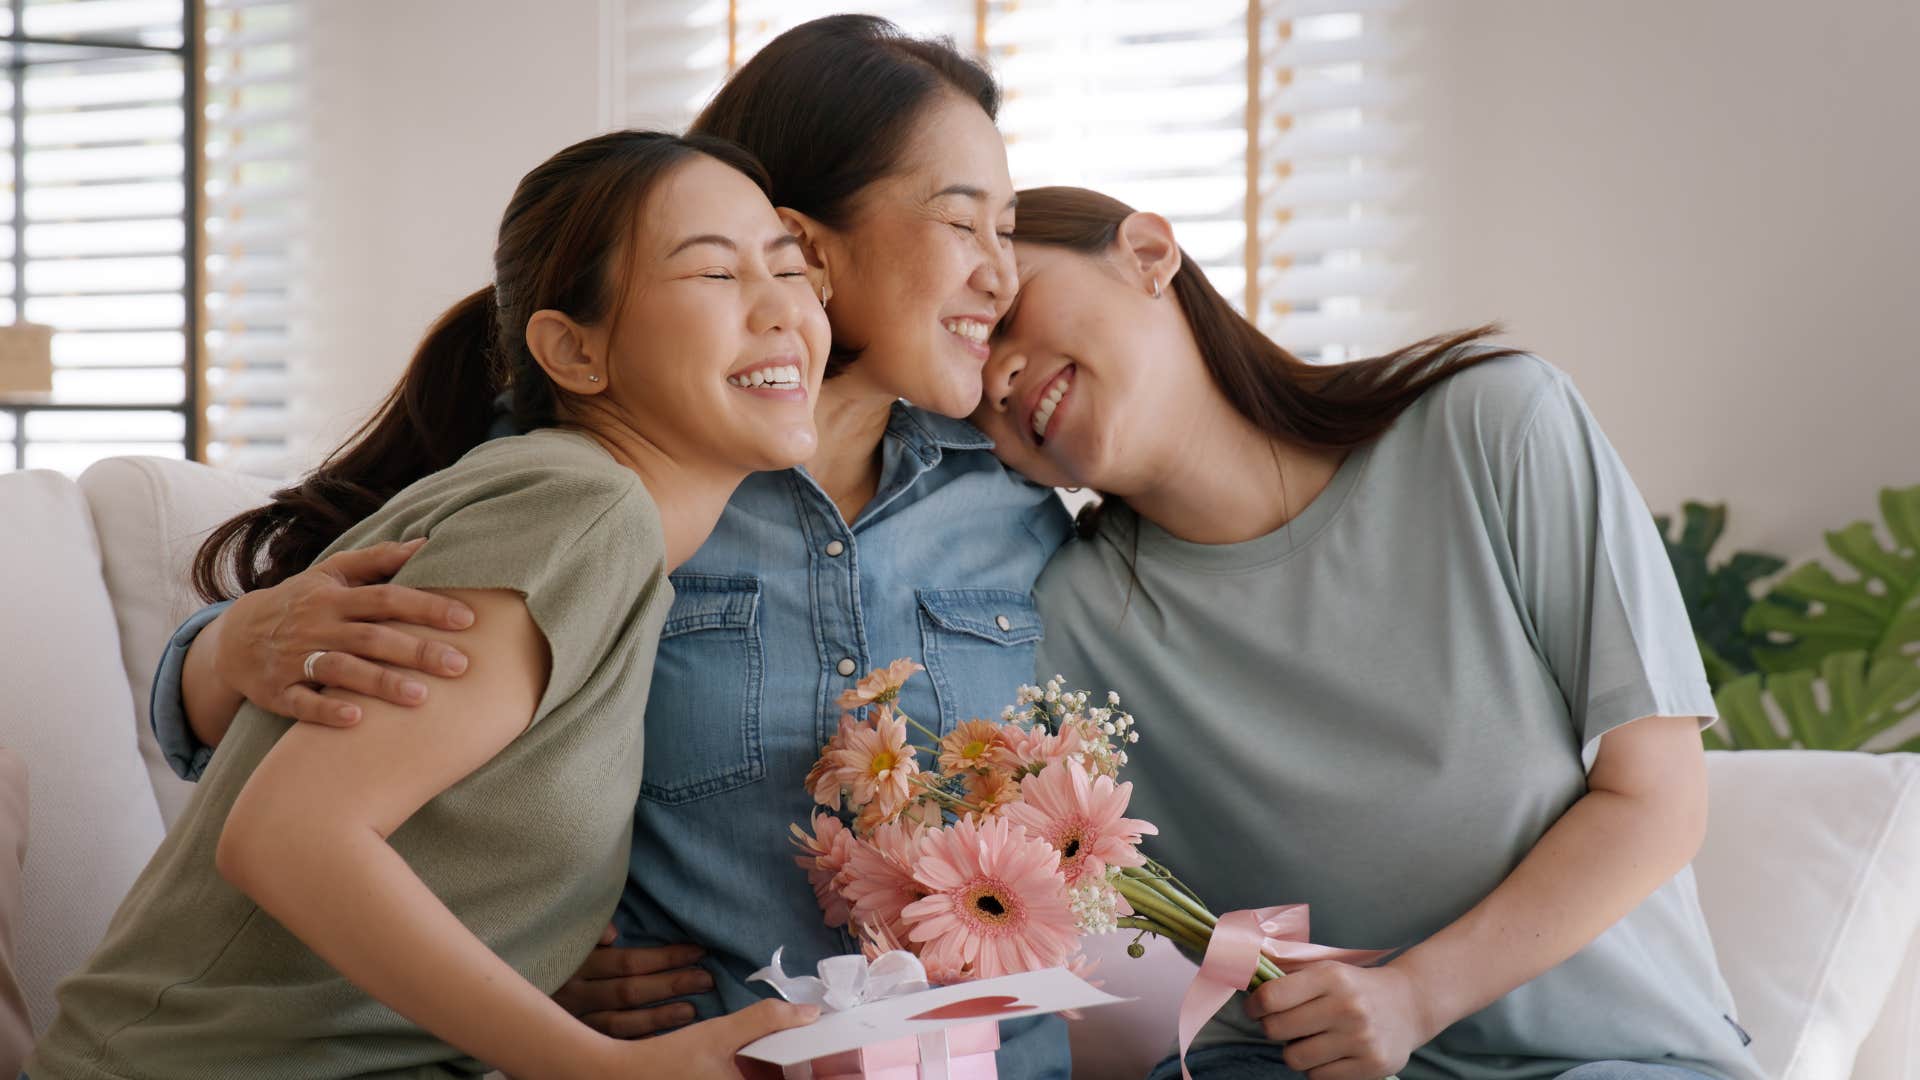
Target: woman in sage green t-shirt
400 898
1404 645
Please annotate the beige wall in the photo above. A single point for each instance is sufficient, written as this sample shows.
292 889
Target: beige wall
1705 211
426 114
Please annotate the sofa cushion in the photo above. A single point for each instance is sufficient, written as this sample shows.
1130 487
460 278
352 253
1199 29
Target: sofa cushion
151 515
16 1030
1892 1051
1809 880
68 713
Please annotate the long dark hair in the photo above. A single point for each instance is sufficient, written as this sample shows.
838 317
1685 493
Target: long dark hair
1312 406
829 107
559 248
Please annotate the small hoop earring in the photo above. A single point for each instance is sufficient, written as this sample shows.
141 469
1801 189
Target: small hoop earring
1156 288
826 292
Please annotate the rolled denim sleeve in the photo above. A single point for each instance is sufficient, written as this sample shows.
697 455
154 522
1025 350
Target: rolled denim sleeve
168 706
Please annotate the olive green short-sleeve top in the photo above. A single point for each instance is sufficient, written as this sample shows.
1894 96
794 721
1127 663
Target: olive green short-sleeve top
529 851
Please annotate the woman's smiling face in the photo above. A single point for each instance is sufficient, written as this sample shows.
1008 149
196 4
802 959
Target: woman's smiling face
1084 387
924 268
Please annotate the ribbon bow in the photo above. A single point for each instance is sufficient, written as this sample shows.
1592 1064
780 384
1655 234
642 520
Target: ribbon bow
845 982
1240 939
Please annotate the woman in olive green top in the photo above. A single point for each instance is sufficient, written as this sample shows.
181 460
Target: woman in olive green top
399 899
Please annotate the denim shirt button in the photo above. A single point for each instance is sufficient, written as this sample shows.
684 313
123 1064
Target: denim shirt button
1003 622
833 552
847 666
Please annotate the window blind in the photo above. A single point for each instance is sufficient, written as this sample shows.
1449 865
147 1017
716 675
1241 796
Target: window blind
1264 130
255 217
95 235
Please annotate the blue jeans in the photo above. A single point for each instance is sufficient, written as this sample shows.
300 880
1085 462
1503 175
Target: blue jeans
1261 1061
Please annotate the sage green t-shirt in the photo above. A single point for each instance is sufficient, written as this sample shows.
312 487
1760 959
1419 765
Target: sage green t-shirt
195 982
1378 709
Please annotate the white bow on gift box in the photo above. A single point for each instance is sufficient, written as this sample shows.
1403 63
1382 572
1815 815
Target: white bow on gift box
848 982
845 982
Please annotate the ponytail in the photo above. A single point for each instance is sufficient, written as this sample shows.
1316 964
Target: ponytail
441 409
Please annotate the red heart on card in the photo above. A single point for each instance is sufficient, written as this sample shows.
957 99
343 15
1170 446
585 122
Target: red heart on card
972 1008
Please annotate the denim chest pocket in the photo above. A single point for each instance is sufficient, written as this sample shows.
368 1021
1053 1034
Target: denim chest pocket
703 712
978 646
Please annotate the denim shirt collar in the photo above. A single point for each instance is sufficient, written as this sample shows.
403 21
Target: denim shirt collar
926 433
915 442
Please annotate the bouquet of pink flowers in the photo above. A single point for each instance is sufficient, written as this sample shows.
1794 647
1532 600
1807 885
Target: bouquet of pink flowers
1002 848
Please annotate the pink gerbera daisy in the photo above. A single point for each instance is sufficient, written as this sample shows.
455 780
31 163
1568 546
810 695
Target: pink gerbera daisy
997 903
969 746
1082 820
827 852
878 881
876 761
880 685
1026 750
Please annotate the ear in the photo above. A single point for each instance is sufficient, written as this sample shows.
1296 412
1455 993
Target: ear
813 247
1145 246
569 353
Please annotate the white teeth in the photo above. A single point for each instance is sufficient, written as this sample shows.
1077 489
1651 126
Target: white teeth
1043 413
969 329
777 377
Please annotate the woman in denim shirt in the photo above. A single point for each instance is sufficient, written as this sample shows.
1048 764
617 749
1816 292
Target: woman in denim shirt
905 537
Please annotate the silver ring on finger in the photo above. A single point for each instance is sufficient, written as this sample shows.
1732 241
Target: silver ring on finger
312 659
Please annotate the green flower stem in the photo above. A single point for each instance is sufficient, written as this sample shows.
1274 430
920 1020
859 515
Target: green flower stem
918 726
1171 906
1174 890
1134 922
1148 900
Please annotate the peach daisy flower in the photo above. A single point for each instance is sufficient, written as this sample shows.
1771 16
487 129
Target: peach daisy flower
876 761
969 746
1027 750
991 791
828 778
880 685
827 852
878 881
996 905
1081 819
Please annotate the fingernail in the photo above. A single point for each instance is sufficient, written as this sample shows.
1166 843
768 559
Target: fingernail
682 1013
460 617
413 691
701 981
349 714
415 542
809 1013
454 660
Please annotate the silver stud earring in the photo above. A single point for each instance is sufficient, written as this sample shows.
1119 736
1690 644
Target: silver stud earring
593 378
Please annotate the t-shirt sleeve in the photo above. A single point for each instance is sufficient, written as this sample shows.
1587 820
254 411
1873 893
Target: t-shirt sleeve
583 549
1599 593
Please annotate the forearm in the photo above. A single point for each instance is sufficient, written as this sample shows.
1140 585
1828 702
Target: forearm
347 895
1604 856
210 703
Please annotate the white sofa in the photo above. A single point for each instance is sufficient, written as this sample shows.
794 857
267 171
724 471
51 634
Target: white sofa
1810 877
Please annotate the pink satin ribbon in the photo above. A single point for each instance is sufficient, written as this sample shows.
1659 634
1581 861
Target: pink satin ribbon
1239 939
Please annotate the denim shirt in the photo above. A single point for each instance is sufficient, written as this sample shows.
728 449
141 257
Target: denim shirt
783 608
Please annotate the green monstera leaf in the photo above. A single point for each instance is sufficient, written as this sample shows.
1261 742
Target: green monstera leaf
1811 614
1865 700
1717 596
